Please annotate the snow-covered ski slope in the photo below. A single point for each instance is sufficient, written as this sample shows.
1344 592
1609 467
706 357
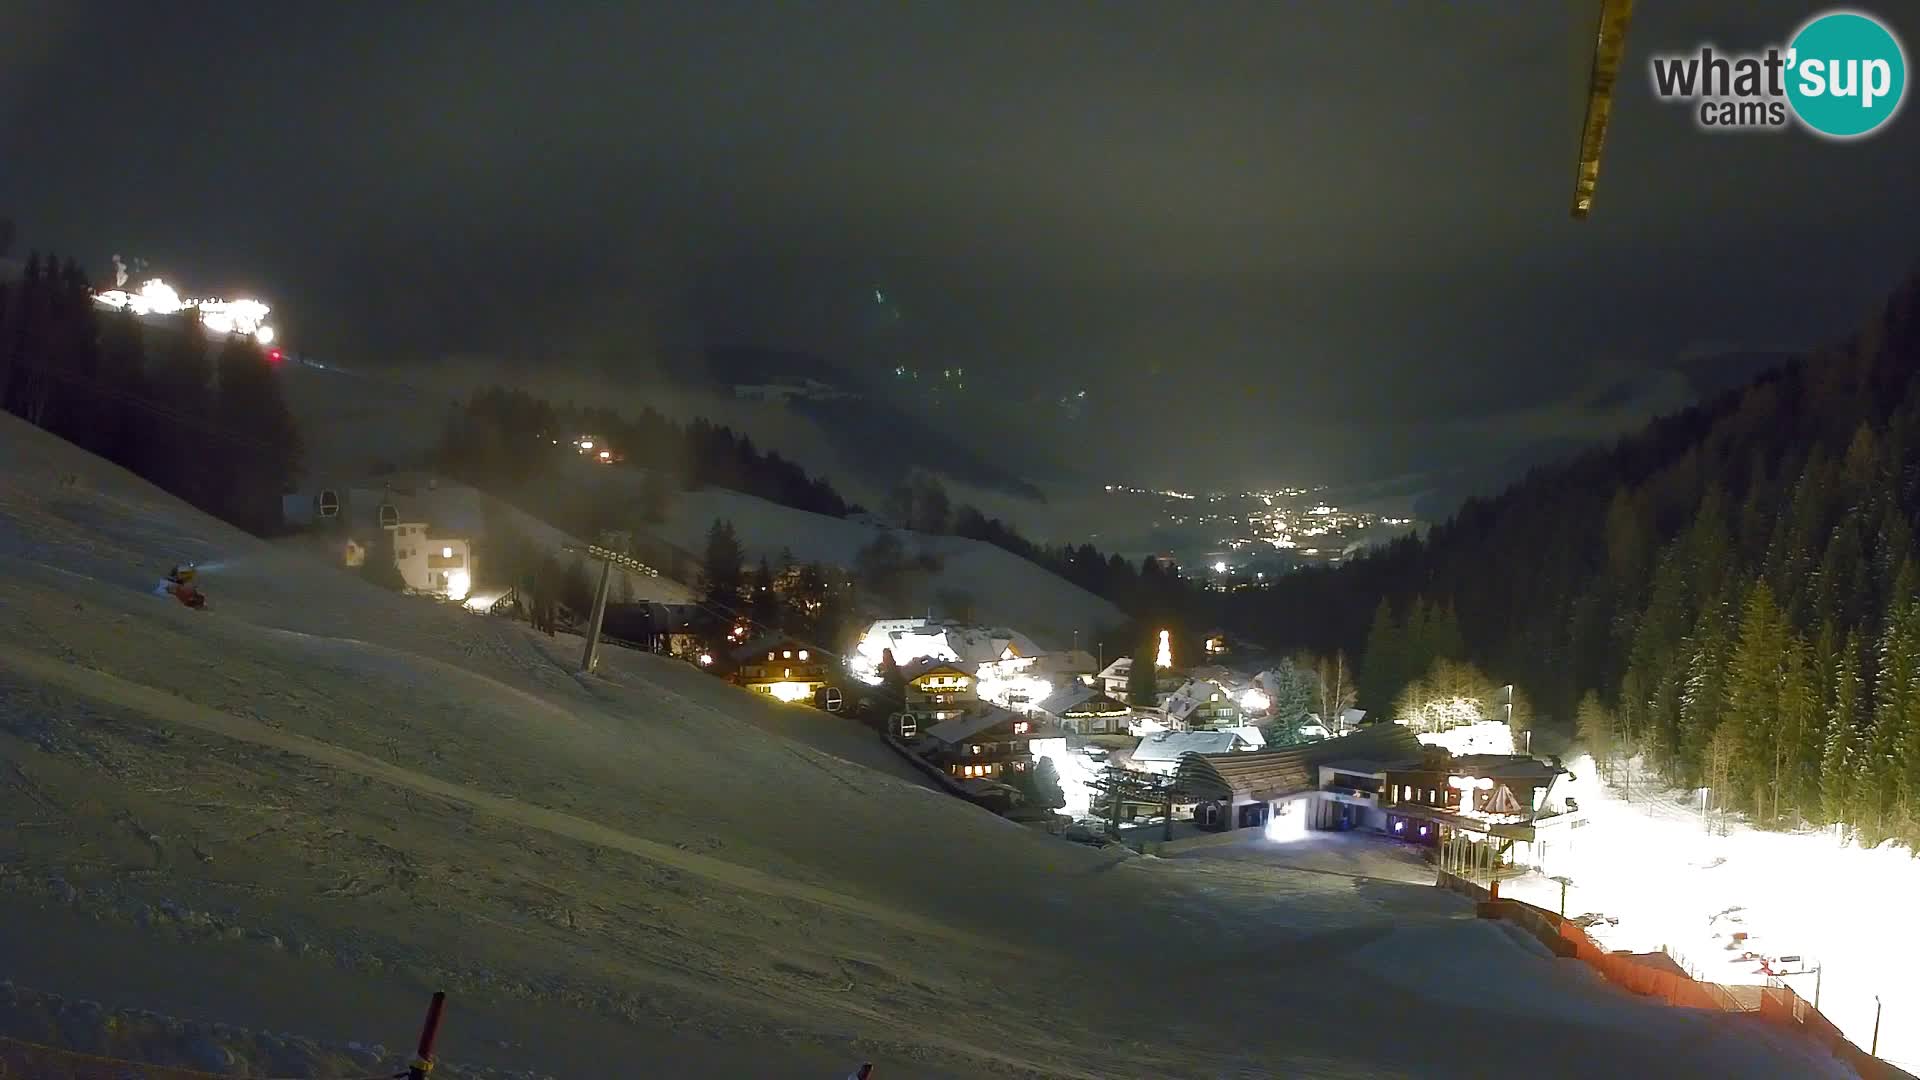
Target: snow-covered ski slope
1003 588
317 795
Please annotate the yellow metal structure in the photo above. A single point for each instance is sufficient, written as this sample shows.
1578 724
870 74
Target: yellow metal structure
1609 48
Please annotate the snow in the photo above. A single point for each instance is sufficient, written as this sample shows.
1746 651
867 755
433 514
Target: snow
1005 589
1479 737
1651 863
642 872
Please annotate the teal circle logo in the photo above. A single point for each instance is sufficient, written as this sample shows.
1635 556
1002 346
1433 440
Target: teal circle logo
1846 74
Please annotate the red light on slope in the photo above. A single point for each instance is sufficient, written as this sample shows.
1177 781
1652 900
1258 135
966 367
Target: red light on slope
274 356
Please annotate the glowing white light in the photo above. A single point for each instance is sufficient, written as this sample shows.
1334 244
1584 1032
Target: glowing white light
1255 700
1288 823
1219 567
586 444
1165 659
446 553
156 297
803 654
706 659
458 584
790 691
1009 691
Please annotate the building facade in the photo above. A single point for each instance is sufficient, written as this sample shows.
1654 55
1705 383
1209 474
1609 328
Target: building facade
935 691
782 668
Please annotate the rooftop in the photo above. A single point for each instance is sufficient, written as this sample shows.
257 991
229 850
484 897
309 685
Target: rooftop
1272 774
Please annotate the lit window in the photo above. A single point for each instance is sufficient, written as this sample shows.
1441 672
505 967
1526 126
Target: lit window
786 673
803 654
446 553
786 654
1020 727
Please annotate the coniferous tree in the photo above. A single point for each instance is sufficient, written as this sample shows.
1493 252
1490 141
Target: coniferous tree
1752 696
179 431
380 566
1290 693
1596 728
1882 802
123 367
260 452
1383 668
1143 677
577 587
720 571
763 604
1839 762
1043 786
656 496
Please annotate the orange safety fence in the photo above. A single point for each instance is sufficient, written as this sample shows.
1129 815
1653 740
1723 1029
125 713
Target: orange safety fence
1778 1005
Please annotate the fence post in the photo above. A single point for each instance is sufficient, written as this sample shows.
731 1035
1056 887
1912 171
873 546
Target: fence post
429 1032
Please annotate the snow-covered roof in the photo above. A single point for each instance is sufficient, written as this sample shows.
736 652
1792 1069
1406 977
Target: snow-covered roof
1288 770
1067 662
917 668
1119 669
1078 697
913 639
775 643
1169 745
961 728
1359 766
1253 735
1195 693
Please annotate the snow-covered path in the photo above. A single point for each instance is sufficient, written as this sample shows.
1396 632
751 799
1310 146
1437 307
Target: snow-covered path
394 791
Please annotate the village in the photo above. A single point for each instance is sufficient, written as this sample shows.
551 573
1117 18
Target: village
1218 749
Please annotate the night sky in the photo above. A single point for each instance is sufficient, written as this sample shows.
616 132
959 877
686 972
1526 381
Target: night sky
1279 241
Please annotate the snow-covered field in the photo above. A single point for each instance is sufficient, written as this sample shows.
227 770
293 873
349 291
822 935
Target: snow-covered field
301 809
1649 860
1005 589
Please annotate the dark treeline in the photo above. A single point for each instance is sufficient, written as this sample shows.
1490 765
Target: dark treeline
503 437
1731 592
504 440
1146 591
204 420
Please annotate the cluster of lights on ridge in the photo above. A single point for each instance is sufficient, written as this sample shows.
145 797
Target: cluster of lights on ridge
245 317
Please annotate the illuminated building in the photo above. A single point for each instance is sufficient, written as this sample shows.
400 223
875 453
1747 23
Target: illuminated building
1201 704
983 744
1086 710
938 690
782 668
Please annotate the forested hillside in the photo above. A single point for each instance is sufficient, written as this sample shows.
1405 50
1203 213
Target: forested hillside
1734 587
207 420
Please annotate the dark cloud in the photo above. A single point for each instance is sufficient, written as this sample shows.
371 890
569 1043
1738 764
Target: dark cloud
1287 241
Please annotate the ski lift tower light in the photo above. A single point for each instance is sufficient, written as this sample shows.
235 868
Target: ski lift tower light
609 558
